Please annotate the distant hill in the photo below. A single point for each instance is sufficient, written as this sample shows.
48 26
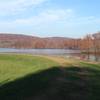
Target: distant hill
24 41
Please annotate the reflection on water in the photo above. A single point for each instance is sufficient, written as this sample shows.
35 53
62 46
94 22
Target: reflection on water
86 57
63 52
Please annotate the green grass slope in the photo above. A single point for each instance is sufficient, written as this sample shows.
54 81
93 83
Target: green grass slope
16 66
26 77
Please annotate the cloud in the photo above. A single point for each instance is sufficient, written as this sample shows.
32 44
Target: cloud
45 17
84 20
65 17
16 6
49 20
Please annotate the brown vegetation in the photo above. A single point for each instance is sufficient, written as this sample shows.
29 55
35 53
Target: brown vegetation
23 41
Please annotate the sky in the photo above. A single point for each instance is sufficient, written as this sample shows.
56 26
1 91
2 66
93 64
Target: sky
48 18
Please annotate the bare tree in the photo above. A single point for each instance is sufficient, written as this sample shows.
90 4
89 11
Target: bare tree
96 42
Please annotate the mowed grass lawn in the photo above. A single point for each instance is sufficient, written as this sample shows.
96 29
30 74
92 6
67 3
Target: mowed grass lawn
28 77
16 66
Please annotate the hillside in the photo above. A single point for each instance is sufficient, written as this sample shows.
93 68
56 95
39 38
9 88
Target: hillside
24 41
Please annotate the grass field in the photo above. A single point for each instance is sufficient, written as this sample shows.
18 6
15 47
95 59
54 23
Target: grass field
27 77
15 66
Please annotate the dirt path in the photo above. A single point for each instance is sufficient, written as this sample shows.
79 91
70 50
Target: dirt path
62 61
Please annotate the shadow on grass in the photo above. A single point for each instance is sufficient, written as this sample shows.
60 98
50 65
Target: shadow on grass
57 83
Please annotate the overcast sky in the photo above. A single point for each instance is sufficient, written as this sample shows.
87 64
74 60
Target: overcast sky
69 18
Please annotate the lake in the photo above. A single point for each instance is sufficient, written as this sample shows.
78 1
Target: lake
61 52
39 51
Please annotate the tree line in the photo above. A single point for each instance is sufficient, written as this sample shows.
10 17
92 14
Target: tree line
90 44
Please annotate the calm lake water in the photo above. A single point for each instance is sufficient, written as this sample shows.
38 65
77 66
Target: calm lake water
61 52
39 51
